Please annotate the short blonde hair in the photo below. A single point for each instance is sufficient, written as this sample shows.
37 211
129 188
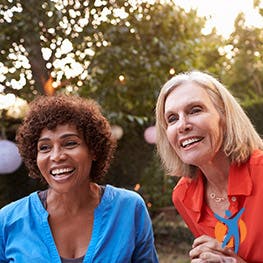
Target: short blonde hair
240 137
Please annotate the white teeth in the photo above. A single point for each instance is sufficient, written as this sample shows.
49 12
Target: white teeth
61 171
189 141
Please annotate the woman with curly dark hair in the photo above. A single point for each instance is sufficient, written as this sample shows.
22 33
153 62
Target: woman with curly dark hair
67 142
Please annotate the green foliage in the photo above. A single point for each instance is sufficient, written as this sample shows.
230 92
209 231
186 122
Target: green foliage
143 48
254 110
244 71
132 156
156 187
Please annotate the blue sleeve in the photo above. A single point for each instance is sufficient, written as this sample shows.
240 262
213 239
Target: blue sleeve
2 246
144 248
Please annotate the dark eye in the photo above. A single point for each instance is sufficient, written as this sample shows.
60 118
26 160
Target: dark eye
172 118
71 144
43 148
195 110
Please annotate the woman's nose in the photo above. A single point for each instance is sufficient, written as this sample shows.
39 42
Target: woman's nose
183 124
57 154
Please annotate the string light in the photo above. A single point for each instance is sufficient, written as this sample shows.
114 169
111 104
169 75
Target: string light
137 187
172 71
121 78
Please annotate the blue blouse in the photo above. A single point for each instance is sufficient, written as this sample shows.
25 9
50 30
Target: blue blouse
122 231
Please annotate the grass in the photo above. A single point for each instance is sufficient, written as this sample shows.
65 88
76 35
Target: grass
172 237
172 256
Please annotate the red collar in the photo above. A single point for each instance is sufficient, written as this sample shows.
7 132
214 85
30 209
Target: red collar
240 183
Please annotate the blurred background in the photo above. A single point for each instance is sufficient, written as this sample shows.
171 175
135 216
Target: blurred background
120 53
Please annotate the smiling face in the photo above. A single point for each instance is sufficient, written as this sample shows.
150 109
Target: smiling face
194 127
63 158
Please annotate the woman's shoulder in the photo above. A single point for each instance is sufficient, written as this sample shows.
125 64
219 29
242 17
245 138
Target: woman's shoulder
183 184
121 192
115 199
187 185
122 196
256 158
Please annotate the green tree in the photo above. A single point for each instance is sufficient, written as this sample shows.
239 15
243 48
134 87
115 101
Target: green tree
243 68
244 72
143 51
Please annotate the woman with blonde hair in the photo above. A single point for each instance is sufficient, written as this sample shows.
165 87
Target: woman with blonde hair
205 137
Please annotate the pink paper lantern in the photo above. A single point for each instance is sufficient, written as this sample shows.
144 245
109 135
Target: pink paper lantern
150 135
10 159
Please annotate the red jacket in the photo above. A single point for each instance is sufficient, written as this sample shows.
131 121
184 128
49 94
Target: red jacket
245 189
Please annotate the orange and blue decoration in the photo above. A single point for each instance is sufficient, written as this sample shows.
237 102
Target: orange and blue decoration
231 231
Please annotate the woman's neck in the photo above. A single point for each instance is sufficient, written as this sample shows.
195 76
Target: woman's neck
216 173
73 201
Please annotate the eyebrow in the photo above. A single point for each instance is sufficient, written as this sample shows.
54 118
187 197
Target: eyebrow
188 105
62 137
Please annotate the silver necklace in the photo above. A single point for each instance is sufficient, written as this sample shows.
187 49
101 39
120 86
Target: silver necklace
216 198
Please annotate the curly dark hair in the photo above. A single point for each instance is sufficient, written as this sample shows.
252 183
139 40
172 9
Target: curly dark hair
85 114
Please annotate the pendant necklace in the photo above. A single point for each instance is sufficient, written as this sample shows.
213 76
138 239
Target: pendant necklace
216 198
